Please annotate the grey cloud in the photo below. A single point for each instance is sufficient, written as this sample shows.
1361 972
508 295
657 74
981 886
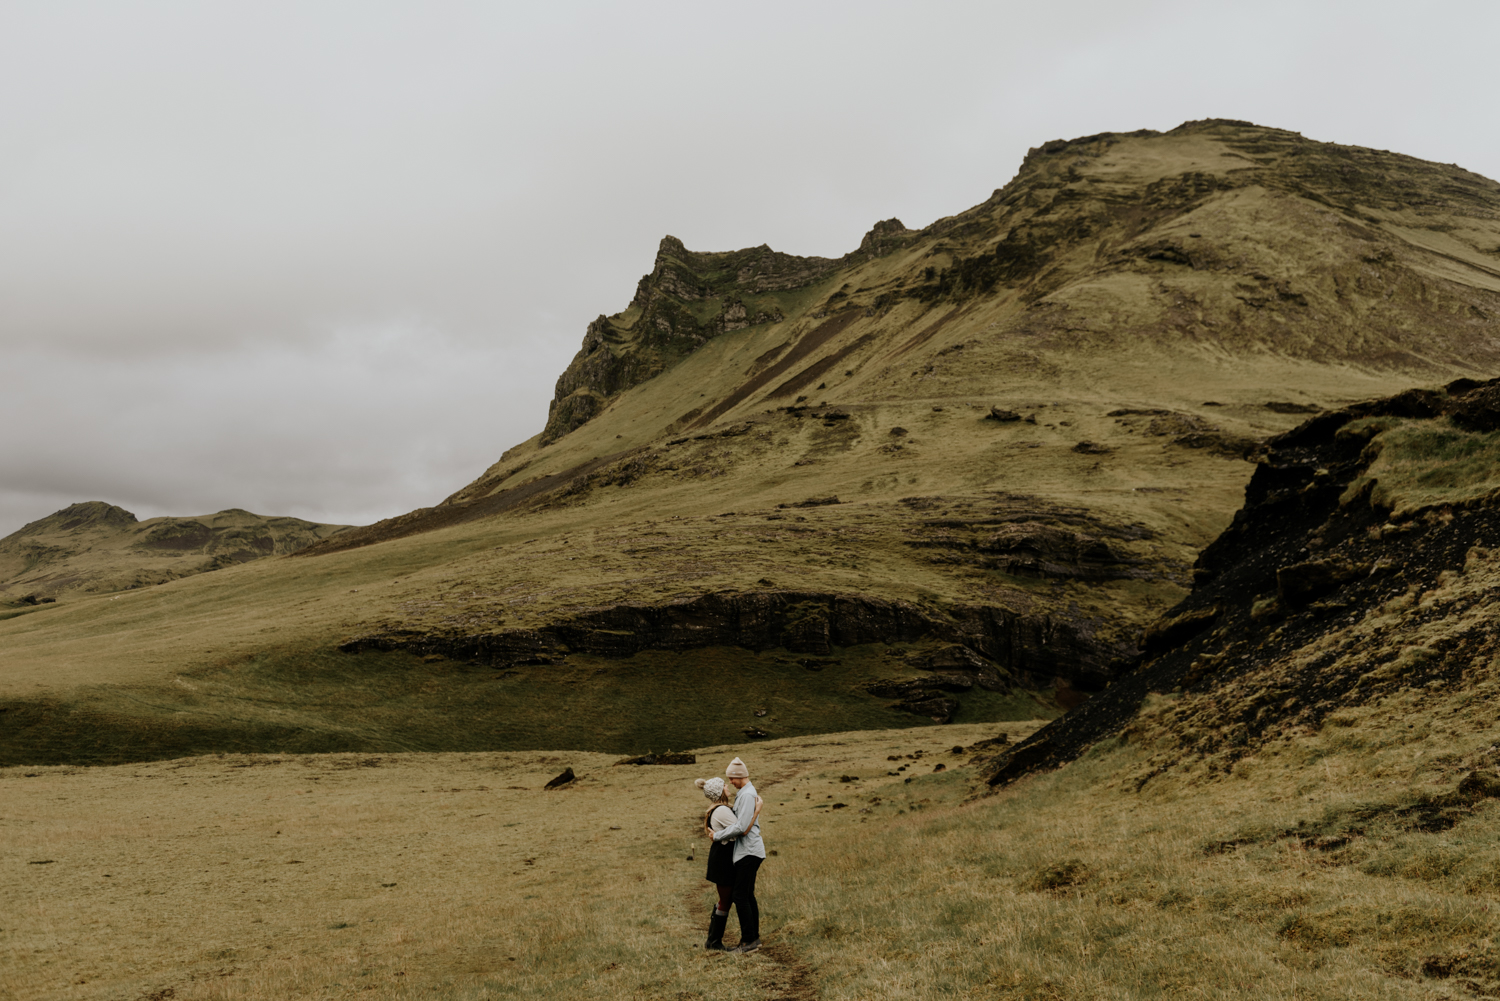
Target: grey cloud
326 259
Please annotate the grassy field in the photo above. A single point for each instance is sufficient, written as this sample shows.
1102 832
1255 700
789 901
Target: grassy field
456 875
374 702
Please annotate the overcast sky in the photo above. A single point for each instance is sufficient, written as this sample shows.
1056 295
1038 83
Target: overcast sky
327 259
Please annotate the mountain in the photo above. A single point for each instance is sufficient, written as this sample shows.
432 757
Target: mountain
94 547
954 474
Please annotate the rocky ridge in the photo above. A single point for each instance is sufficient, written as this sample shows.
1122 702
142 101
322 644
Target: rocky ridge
94 546
1357 573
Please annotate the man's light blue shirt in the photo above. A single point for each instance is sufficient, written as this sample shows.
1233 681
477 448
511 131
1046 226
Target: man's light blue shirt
747 841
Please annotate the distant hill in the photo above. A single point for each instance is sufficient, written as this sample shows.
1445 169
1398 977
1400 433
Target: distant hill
94 546
954 474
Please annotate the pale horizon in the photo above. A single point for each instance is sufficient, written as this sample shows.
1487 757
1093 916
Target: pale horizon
328 261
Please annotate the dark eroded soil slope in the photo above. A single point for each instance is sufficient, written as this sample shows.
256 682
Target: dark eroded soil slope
1357 582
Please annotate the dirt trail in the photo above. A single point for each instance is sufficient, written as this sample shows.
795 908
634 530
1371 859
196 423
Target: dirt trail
786 978
783 976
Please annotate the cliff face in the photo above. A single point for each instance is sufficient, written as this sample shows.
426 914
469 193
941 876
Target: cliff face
1355 580
686 299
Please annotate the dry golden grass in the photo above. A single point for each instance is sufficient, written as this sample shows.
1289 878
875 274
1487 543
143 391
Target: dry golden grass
251 877
327 875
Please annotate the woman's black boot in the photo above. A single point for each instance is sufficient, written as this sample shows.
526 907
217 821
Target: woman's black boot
716 924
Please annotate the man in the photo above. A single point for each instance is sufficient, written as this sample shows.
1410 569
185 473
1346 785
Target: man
749 853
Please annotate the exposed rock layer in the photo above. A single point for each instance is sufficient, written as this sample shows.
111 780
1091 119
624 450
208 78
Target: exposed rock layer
1037 650
1330 589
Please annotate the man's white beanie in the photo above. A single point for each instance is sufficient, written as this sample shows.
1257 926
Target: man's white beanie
737 770
712 788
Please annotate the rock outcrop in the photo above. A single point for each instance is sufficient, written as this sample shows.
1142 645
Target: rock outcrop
1360 565
1036 651
688 298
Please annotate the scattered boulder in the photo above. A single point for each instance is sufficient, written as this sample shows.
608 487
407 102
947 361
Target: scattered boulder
1002 415
660 759
1228 445
956 657
565 778
755 733
814 502
919 687
1302 583
936 707
960 658
1171 630
1091 448
1478 410
898 432
1027 755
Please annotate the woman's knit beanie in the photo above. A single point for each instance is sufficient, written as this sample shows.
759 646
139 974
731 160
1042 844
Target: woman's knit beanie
712 788
737 770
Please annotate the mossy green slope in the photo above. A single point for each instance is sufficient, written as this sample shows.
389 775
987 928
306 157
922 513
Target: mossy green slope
1139 308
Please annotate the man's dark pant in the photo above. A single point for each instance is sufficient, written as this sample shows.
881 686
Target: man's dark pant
744 897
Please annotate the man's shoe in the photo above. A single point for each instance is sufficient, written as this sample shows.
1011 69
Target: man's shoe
747 947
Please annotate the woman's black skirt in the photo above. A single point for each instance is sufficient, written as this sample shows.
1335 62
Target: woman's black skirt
721 863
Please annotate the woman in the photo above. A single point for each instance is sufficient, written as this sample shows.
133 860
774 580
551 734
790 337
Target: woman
720 856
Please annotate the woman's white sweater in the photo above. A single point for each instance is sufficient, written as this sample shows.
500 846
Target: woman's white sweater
721 817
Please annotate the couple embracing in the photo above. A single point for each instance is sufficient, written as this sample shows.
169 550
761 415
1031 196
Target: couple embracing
735 855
